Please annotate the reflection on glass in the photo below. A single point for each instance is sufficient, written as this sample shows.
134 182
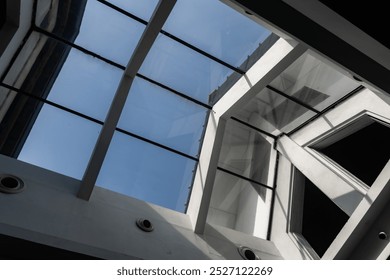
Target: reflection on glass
159 115
274 113
6 99
61 142
240 205
314 82
246 152
67 77
86 84
183 69
143 9
146 172
216 28
95 27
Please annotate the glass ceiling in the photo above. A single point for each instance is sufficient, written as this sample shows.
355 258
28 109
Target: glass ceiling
56 95
66 75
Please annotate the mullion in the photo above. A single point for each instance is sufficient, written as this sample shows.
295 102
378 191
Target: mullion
275 184
122 11
173 37
348 95
171 90
34 12
244 178
155 143
51 103
296 100
88 52
82 49
254 128
74 112
206 54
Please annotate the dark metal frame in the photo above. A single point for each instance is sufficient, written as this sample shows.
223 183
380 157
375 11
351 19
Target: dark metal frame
71 111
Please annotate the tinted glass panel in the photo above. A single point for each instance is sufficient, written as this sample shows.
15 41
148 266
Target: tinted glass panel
141 170
159 115
216 28
183 69
143 9
86 84
240 205
246 152
65 76
95 27
314 82
61 142
274 113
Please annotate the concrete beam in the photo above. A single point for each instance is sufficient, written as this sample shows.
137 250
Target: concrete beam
263 72
269 66
359 237
205 173
150 34
48 212
338 190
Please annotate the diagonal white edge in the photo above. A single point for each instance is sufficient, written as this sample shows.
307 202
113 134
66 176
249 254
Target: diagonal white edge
345 196
281 55
267 68
149 35
362 219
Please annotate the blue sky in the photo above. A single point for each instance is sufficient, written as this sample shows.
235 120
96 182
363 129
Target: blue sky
63 142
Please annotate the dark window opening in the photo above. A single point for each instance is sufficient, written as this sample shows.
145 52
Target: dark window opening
363 153
13 248
3 12
322 219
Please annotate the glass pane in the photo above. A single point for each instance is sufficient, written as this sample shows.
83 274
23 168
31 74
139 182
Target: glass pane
86 84
216 28
146 172
61 142
246 152
143 9
95 27
240 205
314 82
183 69
161 116
274 113
67 77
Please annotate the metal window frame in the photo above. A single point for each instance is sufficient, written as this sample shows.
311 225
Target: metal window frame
149 36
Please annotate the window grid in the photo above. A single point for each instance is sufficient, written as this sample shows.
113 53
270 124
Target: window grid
182 42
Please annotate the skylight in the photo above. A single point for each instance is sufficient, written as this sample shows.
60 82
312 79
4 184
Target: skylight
68 71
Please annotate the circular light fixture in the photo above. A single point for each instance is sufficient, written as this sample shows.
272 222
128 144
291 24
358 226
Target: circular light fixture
11 184
247 253
145 225
382 235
